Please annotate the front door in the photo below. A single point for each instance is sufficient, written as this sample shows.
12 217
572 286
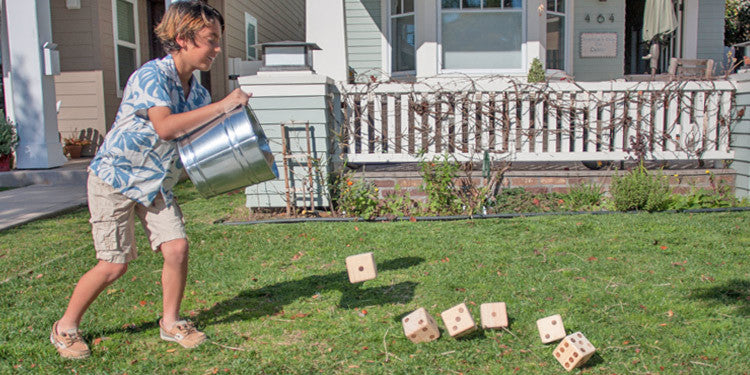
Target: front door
636 48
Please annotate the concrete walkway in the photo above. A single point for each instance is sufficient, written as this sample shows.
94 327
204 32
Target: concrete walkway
42 193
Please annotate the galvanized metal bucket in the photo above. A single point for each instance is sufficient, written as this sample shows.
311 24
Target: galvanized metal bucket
227 153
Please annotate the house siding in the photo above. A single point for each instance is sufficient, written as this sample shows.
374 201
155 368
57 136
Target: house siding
598 69
106 49
73 31
711 33
277 20
741 136
364 32
80 88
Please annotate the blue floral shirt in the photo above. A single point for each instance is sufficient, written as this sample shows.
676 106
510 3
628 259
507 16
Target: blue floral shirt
133 159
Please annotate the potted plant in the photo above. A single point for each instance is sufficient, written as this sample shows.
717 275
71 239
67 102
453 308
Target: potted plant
8 142
73 146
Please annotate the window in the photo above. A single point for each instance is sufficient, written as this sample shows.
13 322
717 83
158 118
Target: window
556 34
481 34
127 53
251 37
403 49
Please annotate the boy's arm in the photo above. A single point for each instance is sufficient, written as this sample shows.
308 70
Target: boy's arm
170 126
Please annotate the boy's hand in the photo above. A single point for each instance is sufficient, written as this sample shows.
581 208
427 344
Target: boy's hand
235 99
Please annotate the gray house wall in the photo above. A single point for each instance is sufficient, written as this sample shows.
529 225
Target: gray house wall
364 32
741 136
598 68
711 33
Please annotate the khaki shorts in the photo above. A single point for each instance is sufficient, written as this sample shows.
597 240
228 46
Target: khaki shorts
113 222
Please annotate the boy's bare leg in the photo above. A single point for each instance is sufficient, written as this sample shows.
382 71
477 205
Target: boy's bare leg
173 276
88 288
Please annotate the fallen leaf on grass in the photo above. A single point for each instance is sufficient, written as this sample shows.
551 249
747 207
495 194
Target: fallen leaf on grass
97 341
663 247
171 350
298 315
142 303
670 313
298 255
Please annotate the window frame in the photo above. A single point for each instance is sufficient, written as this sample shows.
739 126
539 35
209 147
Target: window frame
249 19
524 64
566 39
389 19
117 42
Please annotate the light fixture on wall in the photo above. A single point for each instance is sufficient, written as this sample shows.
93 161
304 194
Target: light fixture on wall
73 4
287 55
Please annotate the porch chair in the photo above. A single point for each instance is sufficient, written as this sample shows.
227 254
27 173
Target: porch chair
691 68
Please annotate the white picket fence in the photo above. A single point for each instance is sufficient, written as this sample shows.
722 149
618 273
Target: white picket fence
560 121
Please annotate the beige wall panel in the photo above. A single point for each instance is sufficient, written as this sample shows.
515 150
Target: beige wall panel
81 104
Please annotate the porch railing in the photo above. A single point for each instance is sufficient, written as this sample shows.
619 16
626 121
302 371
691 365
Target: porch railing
561 121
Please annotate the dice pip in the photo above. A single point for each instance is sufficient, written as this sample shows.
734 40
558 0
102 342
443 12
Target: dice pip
551 328
458 320
493 315
361 267
419 326
574 350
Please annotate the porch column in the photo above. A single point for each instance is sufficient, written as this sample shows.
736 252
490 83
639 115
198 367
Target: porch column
30 96
426 16
294 99
325 27
536 32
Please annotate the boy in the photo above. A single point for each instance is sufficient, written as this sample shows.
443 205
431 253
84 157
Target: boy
138 164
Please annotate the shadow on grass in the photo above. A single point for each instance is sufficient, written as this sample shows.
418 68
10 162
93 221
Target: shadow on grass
271 299
733 292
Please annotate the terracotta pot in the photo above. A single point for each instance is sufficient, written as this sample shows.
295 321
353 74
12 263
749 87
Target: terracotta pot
74 151
6 162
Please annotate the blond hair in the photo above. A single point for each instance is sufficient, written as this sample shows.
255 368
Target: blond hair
184 19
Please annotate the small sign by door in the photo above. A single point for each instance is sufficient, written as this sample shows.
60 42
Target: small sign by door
598 45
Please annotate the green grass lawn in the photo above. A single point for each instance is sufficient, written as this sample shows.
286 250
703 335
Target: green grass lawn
655 293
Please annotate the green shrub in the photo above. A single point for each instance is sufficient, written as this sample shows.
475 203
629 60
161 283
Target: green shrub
354 197
399 204
584 197
8 135
640 190
438 175
718 195
536 72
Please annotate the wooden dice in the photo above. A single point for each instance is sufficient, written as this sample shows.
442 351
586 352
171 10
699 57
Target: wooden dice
361 267
458 320
551 328
419 326
494 315
574 350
